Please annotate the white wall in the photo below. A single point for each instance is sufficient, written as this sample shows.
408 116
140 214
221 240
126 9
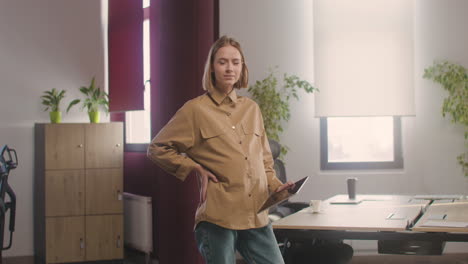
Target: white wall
277 32
43 45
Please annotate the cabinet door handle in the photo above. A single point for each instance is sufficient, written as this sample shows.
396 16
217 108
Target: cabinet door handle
117 145
118 241
81 243
119 195
80 145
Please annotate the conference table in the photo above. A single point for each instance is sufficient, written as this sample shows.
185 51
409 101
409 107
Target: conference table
402 224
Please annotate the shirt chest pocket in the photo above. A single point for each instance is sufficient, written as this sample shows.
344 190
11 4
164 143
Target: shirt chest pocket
252 138
252 131
213 139
211 132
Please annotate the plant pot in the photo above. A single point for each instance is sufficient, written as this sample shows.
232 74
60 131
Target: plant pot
55 117
93 117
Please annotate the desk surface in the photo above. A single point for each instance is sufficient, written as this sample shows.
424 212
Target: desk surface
371 214
455 212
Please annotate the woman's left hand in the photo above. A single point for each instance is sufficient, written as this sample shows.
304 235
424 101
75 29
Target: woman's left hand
287 185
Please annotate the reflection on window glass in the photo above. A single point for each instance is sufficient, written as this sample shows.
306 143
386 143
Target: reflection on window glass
360 139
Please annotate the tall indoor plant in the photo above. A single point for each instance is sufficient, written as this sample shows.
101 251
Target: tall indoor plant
454 79
273 99
51 100
95 99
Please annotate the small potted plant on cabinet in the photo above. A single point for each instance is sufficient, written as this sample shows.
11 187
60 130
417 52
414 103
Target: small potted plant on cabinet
95 98
51 100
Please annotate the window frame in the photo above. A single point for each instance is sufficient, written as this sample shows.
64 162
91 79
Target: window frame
397 162
134 147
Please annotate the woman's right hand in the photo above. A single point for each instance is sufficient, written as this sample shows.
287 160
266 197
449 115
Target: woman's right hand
204 176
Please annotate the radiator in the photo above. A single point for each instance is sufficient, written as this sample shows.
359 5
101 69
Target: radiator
138 219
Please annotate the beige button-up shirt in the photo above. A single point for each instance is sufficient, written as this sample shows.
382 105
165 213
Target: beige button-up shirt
224 134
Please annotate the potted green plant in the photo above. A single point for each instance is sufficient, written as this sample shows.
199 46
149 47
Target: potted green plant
95 99
454 79
273 99
51 100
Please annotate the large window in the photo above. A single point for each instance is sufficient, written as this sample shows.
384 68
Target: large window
363 54
138 123
354 143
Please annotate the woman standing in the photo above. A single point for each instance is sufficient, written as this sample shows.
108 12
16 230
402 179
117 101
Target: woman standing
221 137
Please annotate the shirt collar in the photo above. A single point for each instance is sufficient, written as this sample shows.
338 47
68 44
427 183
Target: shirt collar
219 97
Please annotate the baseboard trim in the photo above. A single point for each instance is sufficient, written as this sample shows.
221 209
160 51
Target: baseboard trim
18 260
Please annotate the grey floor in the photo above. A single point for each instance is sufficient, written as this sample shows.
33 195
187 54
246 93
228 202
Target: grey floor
393 259
398 259
134 257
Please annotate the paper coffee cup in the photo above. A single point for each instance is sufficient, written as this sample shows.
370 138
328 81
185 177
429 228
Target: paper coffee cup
315 206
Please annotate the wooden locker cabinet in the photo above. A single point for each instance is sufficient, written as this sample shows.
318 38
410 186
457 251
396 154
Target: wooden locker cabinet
65 192
64 148
104 200
65 239
104 237
78 192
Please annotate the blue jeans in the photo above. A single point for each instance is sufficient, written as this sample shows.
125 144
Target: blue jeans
218 245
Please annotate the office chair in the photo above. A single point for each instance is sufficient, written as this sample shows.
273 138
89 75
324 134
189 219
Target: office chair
311 250
286 207
8 162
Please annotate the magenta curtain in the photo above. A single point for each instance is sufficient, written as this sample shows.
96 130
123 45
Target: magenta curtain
182 32
125 40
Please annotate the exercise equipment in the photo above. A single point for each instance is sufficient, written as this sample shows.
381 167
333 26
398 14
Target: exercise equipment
8 162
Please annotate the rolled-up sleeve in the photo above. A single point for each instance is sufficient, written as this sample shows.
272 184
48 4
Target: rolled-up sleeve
168 147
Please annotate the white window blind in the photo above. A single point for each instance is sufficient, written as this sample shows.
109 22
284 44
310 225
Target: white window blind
363 58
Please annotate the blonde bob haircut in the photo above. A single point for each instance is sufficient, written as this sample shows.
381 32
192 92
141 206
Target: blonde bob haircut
209 80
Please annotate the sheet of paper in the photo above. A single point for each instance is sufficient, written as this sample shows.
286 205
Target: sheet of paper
439 196
436 217
445 224
396 216
417 201
443 201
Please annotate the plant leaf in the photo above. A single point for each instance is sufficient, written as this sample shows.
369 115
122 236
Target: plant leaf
72 103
